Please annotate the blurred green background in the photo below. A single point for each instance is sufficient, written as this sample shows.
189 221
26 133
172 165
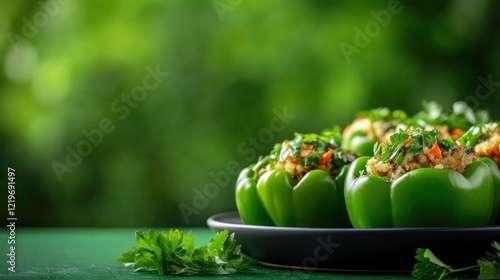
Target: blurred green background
71 66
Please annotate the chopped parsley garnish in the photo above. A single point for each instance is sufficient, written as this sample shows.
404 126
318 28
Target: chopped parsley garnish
325 142
413 143
461 116
296 145
311 160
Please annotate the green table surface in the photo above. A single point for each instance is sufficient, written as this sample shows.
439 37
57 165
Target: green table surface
90 254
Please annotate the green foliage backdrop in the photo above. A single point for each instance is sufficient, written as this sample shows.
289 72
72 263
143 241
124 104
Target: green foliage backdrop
69 65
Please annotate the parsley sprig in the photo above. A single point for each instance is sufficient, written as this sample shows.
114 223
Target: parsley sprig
431 267
176 253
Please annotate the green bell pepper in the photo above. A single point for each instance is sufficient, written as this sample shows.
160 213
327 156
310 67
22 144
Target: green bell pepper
424 197
359 141
248 202
316 201
268 195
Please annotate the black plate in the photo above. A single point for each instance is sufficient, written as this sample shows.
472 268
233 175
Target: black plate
356 249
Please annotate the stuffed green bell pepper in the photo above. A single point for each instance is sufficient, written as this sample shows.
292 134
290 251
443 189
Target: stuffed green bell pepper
420 180
371 127
300 184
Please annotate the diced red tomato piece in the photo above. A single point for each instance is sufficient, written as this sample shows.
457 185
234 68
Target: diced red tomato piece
435 150
325 158
456 133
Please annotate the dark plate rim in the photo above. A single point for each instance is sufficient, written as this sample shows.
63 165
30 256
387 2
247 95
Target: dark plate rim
214 221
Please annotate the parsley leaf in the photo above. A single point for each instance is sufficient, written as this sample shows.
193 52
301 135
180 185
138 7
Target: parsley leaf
490 264
429 138
296 145
393 149
399 158
429 266
176 253
415 147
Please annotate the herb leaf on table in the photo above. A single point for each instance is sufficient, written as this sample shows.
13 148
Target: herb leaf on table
431 267
176 253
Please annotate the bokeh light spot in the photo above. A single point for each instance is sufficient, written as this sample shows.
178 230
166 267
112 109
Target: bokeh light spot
20 62
51 83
